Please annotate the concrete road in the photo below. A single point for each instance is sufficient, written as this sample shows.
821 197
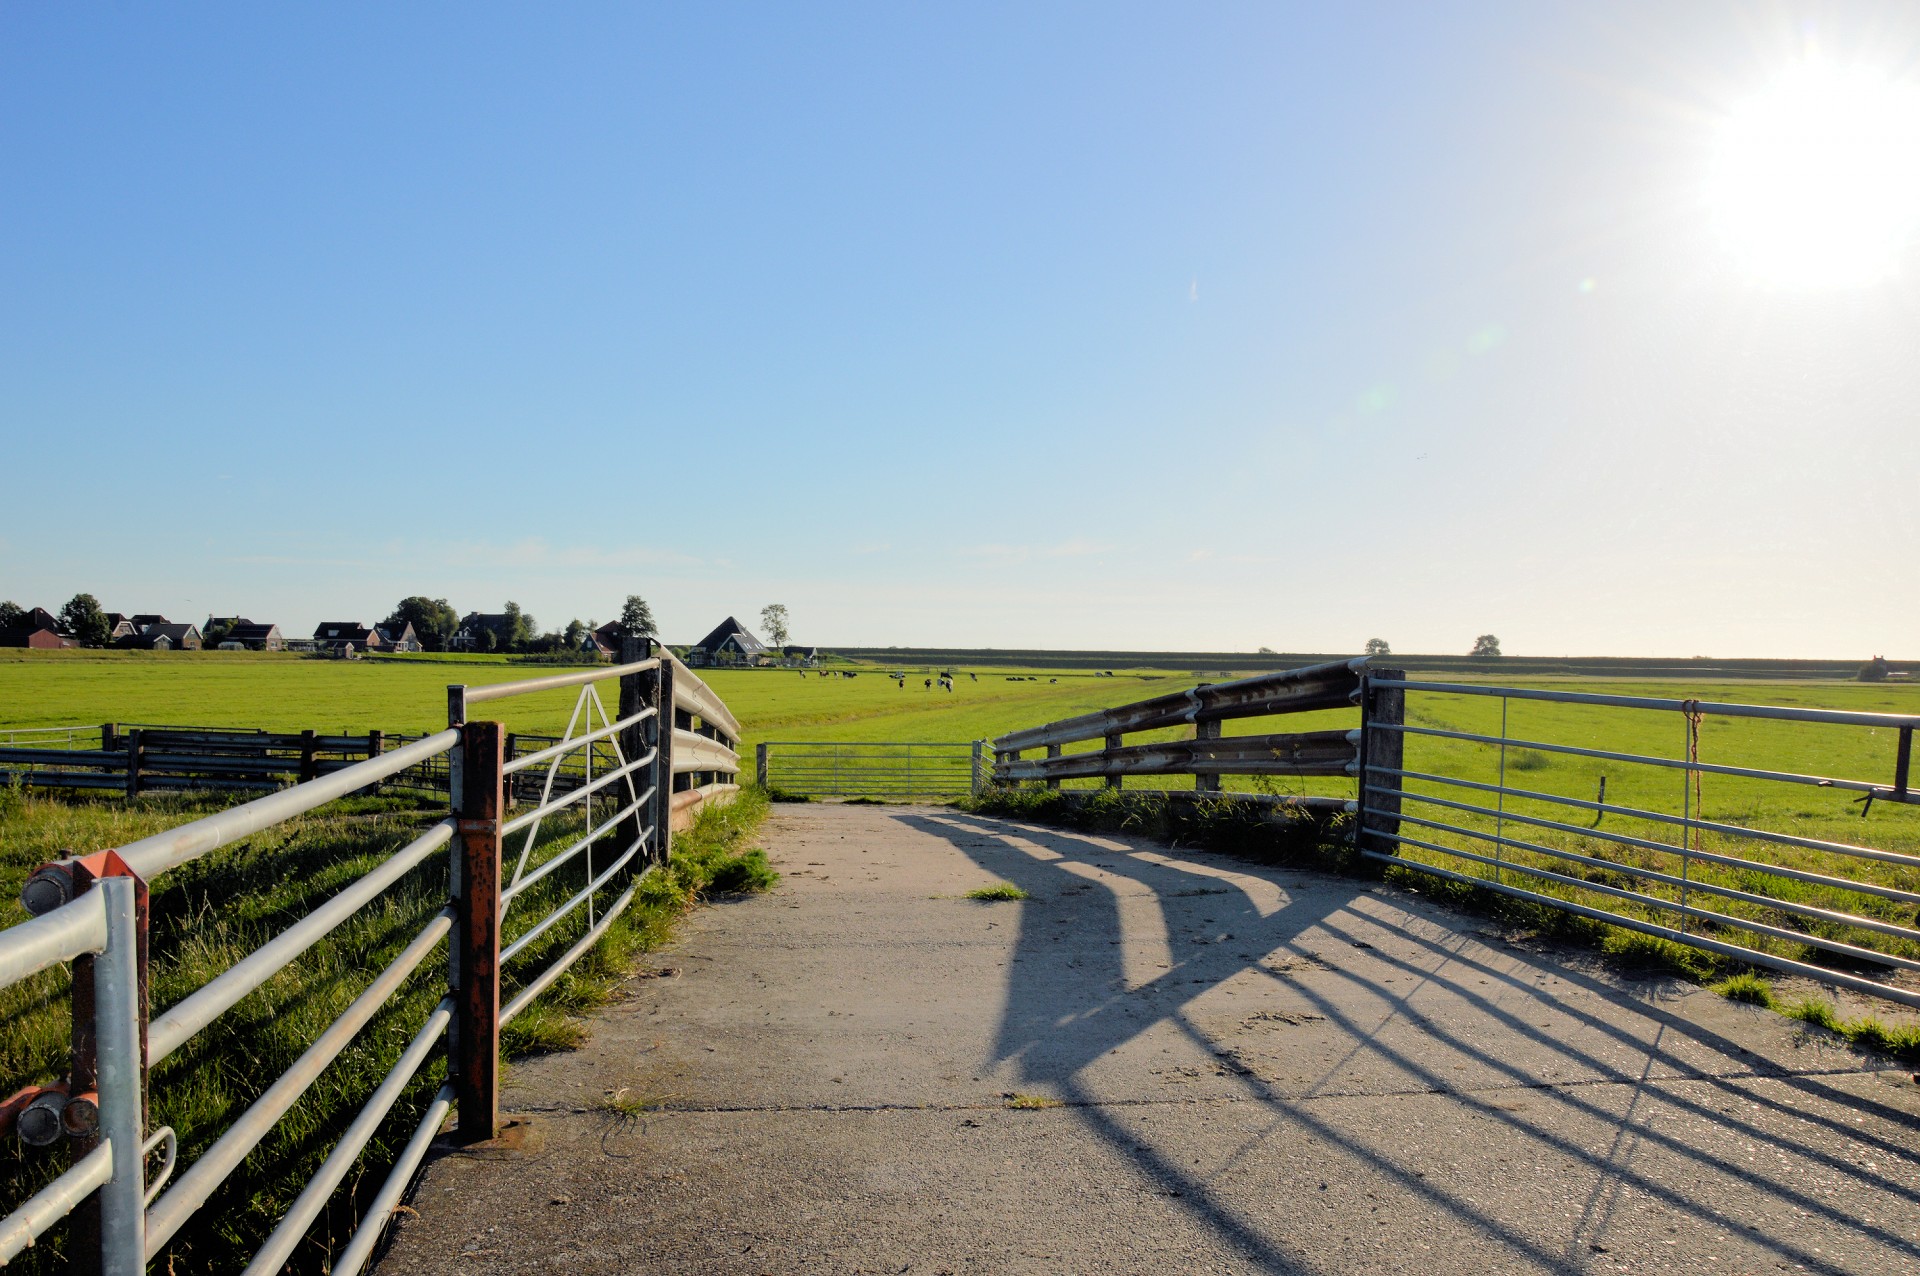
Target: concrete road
1161 1062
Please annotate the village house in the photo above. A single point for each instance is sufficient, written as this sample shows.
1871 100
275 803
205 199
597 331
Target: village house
401 638
474 628
163 636
339 635
241 634
39 629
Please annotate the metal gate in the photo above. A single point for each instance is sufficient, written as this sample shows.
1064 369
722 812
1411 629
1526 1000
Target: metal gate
896 770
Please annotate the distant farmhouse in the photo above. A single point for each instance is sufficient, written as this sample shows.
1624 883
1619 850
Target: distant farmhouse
237 633
39 629
731 643
399 639
341 637
161 635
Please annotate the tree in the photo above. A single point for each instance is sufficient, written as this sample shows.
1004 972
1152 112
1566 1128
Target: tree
1266 651
12 615
1485 645
636 618
434 620
773 619
1378 647
215 631
521 630
86 621
574 634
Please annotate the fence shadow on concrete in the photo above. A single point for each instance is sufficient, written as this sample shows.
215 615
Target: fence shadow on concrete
1688 1119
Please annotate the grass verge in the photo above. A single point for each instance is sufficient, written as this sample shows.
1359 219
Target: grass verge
1899 1040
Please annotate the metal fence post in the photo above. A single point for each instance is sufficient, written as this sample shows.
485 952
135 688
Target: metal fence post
1381 708
119 1038
108 1061
474 1052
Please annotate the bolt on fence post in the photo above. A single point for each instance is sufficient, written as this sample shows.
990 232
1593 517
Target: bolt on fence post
474 1054
1381 709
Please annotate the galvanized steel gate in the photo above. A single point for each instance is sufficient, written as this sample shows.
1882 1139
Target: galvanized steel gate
896 770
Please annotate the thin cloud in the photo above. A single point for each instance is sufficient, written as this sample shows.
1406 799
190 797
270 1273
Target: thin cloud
1078 547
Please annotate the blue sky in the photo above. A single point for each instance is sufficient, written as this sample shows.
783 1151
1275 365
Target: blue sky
1034 325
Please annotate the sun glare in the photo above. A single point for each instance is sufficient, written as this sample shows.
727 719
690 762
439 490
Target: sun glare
1816 181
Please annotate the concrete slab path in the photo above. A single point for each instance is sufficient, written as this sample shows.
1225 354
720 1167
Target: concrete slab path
1161 1062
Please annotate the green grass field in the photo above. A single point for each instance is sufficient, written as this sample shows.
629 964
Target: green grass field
282 692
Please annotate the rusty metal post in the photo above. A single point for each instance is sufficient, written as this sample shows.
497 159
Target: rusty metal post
1381 708
474 1050
1111 743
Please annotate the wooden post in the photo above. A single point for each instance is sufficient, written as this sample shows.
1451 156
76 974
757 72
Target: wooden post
133 765
979 768
657 690
376 745
474 1050
1053 751
1380 708
760 764
308 765
1111 743
1209 730
109 736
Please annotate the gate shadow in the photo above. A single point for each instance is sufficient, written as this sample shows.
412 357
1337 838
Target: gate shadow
1053 1029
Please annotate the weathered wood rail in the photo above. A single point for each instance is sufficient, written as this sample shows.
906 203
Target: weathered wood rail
1209 755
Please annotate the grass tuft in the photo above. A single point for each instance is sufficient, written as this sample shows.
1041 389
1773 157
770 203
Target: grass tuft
1746 987
1030 1102
998 891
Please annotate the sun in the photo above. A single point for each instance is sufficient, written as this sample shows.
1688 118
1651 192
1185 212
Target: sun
1815 181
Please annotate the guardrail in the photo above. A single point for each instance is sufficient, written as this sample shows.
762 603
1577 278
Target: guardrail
91 912
1209 755
897 770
